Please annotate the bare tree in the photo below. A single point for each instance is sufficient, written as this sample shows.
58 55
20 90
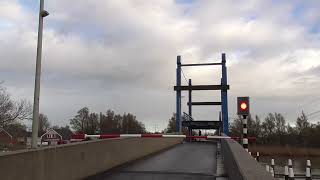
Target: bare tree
16 129
280 123
93 123
302 123
255 129
171 127
65 132
236 127
109 122
106 122
80 122
269 125
12 111
44 124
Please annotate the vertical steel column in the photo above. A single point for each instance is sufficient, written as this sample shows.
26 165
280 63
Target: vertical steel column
224 97
178 105
190 106
222 126
220 120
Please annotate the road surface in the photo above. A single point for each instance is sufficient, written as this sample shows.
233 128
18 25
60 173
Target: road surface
190 161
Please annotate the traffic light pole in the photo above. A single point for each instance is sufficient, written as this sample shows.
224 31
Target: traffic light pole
243 107
245 133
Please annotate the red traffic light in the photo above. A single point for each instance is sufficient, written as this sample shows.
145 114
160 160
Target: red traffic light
243 106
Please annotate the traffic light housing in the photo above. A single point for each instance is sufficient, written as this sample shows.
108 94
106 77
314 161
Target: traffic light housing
243 106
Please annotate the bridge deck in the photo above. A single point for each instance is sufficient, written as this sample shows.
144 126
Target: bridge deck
185 161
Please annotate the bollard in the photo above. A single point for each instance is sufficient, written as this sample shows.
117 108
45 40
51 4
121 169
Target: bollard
267 168
308 170
258 156
286 173
272 172
289 163
308 163
291 173
308 174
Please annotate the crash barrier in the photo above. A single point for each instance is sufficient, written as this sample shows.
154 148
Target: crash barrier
240 164
78 160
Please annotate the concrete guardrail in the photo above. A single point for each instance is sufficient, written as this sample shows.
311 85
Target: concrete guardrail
240 165
78 160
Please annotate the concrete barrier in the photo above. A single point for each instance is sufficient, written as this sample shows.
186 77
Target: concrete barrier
239 164
78 160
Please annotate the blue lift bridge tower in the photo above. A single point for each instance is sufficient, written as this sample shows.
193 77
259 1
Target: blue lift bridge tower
223 124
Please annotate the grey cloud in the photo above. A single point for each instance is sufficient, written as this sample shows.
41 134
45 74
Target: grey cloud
122 55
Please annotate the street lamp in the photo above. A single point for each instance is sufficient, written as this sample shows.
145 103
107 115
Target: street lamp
35 123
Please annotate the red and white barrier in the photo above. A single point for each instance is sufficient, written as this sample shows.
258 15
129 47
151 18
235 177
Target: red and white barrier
80 137
240 138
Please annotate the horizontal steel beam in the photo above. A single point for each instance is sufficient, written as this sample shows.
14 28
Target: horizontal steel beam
213 120
202 124
205 103
201 87
202 64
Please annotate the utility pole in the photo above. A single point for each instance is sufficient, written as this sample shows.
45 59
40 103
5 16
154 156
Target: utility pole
35 122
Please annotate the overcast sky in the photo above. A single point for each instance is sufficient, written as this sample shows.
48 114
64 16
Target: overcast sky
121 55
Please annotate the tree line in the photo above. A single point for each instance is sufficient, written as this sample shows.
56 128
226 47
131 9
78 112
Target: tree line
109 122
274 130
13 112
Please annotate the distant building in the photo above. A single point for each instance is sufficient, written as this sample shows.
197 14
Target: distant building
6 139
51 137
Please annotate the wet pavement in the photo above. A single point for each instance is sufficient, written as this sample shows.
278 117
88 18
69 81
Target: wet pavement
190 161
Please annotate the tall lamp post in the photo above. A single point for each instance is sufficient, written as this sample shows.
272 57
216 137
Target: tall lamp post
35 123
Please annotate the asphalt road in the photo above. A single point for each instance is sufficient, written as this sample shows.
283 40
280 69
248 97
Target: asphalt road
186 161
